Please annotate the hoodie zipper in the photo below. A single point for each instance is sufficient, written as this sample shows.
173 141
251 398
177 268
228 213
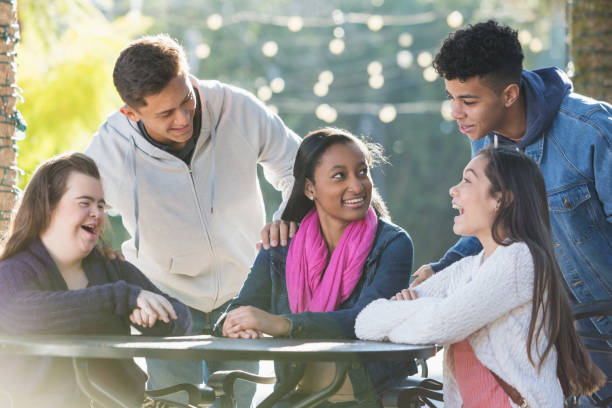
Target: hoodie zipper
202 220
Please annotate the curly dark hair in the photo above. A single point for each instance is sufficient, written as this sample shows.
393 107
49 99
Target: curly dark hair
146 66
488 50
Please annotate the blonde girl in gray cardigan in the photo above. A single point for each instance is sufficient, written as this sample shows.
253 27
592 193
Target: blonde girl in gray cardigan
508 301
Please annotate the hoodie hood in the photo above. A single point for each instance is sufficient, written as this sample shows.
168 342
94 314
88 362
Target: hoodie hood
544 92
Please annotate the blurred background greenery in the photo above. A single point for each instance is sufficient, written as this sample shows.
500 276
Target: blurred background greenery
364 65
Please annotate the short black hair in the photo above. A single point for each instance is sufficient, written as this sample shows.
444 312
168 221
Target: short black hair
146 66
488 50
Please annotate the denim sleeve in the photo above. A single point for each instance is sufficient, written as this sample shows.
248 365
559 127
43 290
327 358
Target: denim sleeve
466 246
391 275
602 163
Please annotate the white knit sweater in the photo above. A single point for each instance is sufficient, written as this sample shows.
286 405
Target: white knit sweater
489 303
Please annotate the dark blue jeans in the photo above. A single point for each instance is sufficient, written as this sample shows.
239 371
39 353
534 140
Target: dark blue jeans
164 373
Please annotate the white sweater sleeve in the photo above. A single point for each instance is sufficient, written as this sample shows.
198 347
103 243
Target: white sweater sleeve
504 282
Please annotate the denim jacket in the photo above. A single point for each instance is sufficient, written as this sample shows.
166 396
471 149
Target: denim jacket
575 156
386 271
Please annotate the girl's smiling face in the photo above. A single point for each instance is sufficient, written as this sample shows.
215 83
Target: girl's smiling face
342 186
472 198
78 219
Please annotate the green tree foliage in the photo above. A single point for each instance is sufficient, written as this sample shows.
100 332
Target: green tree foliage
66 59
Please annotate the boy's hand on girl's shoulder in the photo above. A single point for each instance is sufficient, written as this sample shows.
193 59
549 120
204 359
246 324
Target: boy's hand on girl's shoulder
276 232
422 274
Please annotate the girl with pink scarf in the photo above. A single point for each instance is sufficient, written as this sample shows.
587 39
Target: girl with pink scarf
345 254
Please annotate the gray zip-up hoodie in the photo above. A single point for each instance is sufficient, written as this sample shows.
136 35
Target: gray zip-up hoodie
194 228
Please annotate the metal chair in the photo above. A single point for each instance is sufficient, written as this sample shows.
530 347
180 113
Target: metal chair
111 393
414 392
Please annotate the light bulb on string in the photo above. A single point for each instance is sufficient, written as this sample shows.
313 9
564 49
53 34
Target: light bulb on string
214 22
273 108
336 46
338 17
376 81
264 93
430 74
524 37
405 40
202 51
454 19
446 110
375 68
269 49
320 89
277 85
295 23
387 114
327 77
326 113
535 45
339 32
375 22
424 59
404 59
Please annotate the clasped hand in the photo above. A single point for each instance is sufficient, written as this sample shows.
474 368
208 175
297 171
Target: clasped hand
151 308
249 322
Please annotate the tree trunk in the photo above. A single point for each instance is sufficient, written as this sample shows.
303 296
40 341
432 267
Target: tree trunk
591 47
10 119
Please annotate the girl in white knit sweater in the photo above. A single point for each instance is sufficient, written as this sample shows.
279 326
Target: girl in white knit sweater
502 315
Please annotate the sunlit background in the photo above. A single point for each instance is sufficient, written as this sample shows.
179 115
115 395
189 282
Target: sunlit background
364 65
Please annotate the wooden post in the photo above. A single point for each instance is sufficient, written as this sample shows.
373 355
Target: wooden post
10 119
591 47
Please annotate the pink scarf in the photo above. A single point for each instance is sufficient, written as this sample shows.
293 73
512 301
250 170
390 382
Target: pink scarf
312 287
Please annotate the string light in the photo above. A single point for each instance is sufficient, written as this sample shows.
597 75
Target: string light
375 68
214 22
320 89
454 19
273 109
376 81
524 37
338 17
336 46
202 51
430 74
446 110
264 93
387 114
424 59
277 85
375 23
378 3
404 59
326 113
405 40
327 77
339 32
535 45
269 49
295 23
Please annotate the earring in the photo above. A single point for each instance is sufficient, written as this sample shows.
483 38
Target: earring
310 197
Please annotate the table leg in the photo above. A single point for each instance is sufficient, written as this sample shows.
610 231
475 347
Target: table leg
318 397
296 373
312 400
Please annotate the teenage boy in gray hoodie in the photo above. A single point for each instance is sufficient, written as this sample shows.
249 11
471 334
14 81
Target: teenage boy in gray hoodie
179 164
567 134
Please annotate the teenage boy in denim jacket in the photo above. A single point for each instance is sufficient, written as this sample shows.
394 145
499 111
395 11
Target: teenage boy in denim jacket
567 134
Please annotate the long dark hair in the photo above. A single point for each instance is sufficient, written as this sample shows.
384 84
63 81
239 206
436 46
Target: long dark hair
523 217
307 159
40 198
